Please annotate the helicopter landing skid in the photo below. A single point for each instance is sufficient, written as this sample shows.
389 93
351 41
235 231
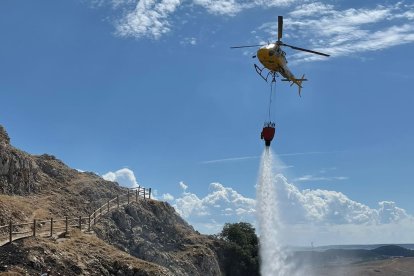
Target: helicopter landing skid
259 71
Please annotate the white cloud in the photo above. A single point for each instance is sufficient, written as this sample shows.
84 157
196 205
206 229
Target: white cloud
183 186
233 7
320 206
389 212
150 18
274 3
125 177
309 177
117 3
350 31
243 158
303 234
167 197
313 24
307 153
231 159
323 27
189 41
318 215
221 7
315 8
190 204
222 204
154 18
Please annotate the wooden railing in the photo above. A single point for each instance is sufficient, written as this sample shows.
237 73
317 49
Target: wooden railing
14 231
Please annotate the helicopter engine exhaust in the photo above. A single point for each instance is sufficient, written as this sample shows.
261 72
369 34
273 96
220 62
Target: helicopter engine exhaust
268 133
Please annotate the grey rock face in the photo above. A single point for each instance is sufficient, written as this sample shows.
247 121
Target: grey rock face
23 174
154 232
4 137
18 171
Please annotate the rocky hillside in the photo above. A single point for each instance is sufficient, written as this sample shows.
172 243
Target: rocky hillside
153 231
80 254
40 186
144 238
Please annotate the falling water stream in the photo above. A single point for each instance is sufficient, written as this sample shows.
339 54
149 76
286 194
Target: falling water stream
272 255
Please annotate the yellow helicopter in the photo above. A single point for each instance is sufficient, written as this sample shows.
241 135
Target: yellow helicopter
274 60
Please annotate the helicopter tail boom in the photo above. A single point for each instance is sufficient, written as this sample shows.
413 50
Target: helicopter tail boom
298 82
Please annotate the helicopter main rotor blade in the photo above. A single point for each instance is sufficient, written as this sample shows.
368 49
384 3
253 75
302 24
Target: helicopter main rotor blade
305 50
279 27
247 46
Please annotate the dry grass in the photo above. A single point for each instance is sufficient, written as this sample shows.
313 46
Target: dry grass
17 208
85 249
79 254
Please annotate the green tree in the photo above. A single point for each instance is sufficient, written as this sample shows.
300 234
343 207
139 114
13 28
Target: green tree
241 249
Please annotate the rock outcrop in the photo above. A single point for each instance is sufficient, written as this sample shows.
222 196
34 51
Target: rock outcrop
154 232
18 170
4 136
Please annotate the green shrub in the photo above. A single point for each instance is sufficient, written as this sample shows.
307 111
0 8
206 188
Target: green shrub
240 250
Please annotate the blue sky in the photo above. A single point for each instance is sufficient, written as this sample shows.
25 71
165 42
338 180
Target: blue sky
153 87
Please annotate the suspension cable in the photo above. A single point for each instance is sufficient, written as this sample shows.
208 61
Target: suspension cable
270 98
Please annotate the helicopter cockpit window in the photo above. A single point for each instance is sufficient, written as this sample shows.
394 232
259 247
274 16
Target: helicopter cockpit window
271 53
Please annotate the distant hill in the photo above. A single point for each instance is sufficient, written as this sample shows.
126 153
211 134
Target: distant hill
353 246
347 256
394 251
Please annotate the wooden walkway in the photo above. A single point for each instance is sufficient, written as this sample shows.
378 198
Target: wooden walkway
59 226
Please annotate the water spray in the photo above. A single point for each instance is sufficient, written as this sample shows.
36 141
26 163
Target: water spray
272 255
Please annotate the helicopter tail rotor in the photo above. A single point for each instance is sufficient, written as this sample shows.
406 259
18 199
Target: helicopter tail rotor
299 83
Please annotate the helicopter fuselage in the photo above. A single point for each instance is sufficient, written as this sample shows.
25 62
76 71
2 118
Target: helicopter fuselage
273 58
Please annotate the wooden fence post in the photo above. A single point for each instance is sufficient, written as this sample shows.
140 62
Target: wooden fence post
10 231
117 200
80 223
136 195
128 197
51 227
89 223
149 196
66 225
108 205
94 218
34 228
